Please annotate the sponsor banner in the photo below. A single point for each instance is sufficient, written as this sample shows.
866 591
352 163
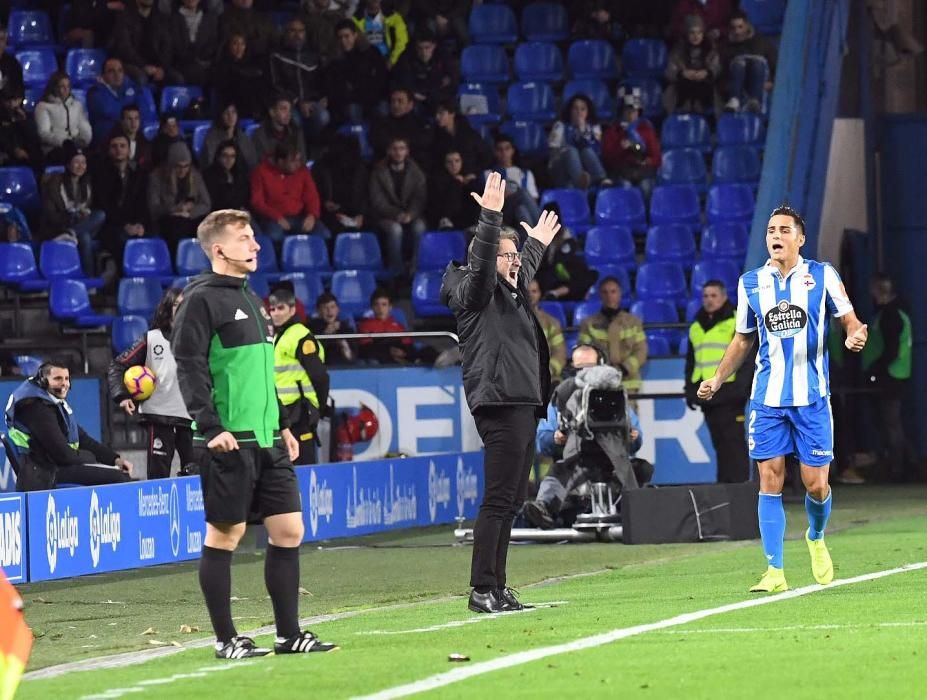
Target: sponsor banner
13 537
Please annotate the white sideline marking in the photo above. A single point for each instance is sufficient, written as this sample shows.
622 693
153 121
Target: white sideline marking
461 623
142 685
793 628
443 679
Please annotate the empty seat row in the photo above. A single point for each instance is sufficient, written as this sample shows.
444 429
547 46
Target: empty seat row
729 164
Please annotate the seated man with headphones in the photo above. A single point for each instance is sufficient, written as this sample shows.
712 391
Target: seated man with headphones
46 440
591 432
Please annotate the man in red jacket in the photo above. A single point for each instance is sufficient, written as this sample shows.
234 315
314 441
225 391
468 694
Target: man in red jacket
284 196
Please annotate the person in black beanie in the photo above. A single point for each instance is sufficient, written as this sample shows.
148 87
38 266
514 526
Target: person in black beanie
506 378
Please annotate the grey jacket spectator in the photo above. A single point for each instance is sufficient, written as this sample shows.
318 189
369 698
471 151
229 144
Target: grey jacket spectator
194 41
388 203
166 189
142 39
256 26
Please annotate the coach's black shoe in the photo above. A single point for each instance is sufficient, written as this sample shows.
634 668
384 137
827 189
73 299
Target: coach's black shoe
302 643
239 648
508 597
537 514
485 602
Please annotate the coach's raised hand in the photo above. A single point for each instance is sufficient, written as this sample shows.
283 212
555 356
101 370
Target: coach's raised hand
547 228
493 196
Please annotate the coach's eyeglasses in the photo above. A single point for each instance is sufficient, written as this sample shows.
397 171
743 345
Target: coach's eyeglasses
511 257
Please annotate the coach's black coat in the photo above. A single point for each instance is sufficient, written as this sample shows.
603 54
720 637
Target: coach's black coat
505 353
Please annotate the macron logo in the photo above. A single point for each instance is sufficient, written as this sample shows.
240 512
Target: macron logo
240 315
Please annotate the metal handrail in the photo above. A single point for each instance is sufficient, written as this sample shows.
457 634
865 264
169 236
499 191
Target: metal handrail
391 334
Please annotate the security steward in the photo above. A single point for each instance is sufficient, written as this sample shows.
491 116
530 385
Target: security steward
299 373
709 335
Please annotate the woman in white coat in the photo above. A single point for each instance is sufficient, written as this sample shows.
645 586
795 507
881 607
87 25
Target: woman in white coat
61 117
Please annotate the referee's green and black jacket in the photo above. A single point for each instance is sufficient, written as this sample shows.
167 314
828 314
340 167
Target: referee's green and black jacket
223 341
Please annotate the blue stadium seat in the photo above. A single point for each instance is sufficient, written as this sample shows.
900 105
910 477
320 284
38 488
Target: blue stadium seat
529 137
147 106
650 92
437 248
361 134
592 58
574 208
260 284
531 102
620 273
479 104
126 332
38 65
742 128
765 15
182 281
353 288
69 301
18 268
358 251
597 91
610 245
685 131
725 240
267 256
730 203
30 28
176 98
675 204
683 166
657 345
658 311
661 280
199 138
692 308
61 260
31 98
555 309
306 287
18 187
670 243
138 296
84 65
585 309
623 206
724 270
28 364
736 164
545 21
493 24
683 346
484 63
305 253
426 287
538 61
147 257
191 260
644 57
150 131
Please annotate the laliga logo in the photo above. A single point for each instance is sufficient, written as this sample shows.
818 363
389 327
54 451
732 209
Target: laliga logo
105 528
466 487
439 490
174 517
321 502
60 533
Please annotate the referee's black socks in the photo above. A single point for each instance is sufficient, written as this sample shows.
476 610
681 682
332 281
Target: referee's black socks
281 576
216 583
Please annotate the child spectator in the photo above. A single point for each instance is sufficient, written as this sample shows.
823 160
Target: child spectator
284 196
342 178
692 70
227 178
238 77
631 148
385 351
177 196
328 322
226 127
575 146
356 78
277 129
386 30
60 117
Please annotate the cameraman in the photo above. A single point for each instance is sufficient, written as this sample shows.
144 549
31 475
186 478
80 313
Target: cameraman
631 149
613 450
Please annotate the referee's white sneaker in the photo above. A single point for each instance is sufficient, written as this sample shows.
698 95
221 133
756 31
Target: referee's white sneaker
239 648
302 643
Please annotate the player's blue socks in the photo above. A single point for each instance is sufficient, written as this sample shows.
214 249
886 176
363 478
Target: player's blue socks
772 527
818 513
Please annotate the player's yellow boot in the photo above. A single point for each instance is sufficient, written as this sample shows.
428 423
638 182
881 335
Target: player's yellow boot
773 581
821 565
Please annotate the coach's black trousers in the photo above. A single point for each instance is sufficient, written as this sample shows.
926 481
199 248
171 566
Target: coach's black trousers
508 434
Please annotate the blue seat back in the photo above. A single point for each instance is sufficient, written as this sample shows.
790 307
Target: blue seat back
574 206
353 288
17 263
737 163
361 134
661 280
725 240
426 287
305 253
60 259
18 187
306 286
176 98
30 27
529 137
682 166
585 309
596 90
358 250
68 299
620 273
31 97
592 58
555 309
83 66
765 15
724 270
199 138
147 257
126 331
545 21
655 311
730 203
484 63
741 128
38 65
437 248
531 101
138 296
479 104
644 57
267 256
670 243
675 204
685 131
657 345
28 364
493 24
191 259
537 60
610 245
692 308
623 206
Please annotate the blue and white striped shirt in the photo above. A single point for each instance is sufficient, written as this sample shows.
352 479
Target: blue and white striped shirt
790 314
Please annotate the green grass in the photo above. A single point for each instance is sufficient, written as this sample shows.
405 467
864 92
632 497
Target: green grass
859 655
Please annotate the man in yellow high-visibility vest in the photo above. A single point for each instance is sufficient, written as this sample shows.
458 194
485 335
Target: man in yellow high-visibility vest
299 372
709 335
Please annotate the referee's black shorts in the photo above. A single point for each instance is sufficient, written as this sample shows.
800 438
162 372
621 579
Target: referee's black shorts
248 484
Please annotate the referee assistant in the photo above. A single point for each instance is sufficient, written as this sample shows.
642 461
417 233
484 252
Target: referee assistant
223 342
506 378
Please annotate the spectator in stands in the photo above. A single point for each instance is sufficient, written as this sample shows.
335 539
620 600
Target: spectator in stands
748 60
401 122
295 70
256 26
284 196
692 70
385 29
194 37
322 18
14 227
19 141
106 99
227 178
48 440
120 191
450 195
617 333
631 148
141 153
553 331
386 351
142 41
238 77
60 117
596 21
278 129
11 72
714 13
356 78
576 145
398 193
88 23
342 178
227 127
445 19
168 134
426 72
454 133
67 206
521 190
327 322
563 273
177 196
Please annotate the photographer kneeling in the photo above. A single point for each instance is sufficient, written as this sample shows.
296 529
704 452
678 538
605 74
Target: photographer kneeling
602 453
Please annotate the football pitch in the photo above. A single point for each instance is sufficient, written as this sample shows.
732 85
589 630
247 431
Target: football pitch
668 621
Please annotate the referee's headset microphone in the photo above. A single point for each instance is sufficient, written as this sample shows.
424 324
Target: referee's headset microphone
228 259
